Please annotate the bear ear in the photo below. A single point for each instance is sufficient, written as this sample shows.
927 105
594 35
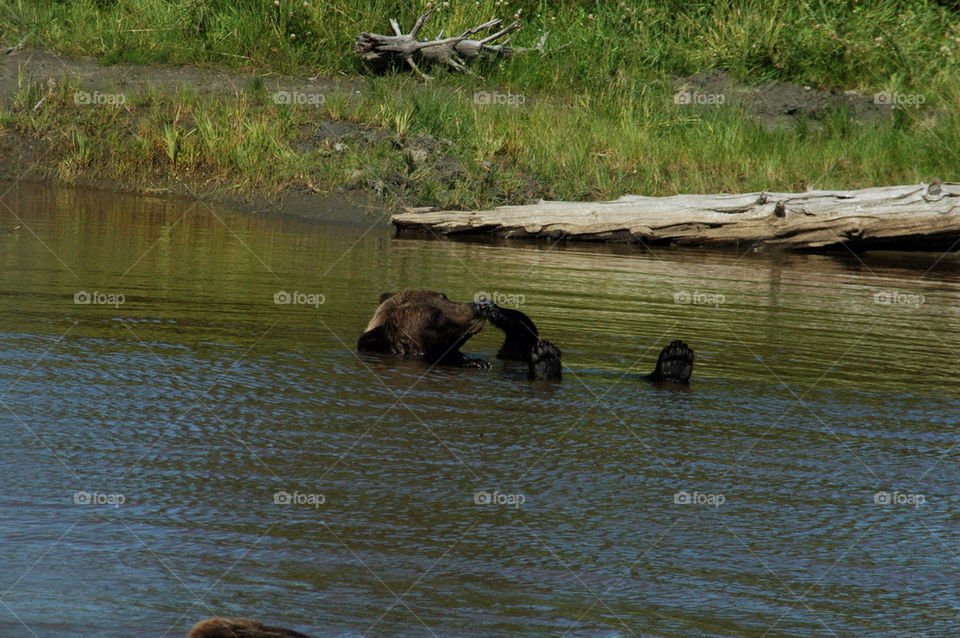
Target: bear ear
374 340
386 296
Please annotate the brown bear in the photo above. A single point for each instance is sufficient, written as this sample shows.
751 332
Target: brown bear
239 628
426 325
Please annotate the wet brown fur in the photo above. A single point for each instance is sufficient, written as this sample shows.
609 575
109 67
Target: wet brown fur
423 324
239 628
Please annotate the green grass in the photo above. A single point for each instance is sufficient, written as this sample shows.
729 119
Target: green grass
597 121
610 145
605 45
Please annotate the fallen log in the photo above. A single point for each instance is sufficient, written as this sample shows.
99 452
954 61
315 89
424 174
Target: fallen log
912 216
376 48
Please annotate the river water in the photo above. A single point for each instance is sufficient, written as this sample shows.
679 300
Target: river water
181 446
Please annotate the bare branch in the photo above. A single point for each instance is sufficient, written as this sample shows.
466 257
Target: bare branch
416 27
450 51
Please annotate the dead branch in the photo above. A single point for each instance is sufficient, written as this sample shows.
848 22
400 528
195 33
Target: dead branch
452 52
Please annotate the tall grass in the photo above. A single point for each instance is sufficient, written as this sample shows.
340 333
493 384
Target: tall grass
596 117
573 147
592 45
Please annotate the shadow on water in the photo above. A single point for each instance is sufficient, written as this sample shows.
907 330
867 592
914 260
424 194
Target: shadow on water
803 484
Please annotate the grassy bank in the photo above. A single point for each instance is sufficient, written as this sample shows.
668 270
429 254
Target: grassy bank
595 116
908 45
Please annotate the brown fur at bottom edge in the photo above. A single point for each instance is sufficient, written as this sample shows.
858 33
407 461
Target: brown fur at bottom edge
239 628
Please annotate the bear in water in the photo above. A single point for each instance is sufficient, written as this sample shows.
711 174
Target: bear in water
239 628
523 343
424 324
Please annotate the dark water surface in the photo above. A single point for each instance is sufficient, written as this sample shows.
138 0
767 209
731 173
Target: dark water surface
198 399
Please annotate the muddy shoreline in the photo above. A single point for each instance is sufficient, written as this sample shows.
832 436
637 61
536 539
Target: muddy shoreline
20 155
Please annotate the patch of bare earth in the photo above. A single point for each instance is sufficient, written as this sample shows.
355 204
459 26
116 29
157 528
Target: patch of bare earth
779 104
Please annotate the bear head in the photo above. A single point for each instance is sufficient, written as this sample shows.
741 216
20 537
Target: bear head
422 323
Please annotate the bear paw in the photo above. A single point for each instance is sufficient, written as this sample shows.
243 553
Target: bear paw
545 362
674 364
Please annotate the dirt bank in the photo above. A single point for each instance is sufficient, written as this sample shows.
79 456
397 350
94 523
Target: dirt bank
781 104
21 155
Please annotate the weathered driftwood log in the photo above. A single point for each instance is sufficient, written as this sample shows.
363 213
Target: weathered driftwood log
373 47
893 216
